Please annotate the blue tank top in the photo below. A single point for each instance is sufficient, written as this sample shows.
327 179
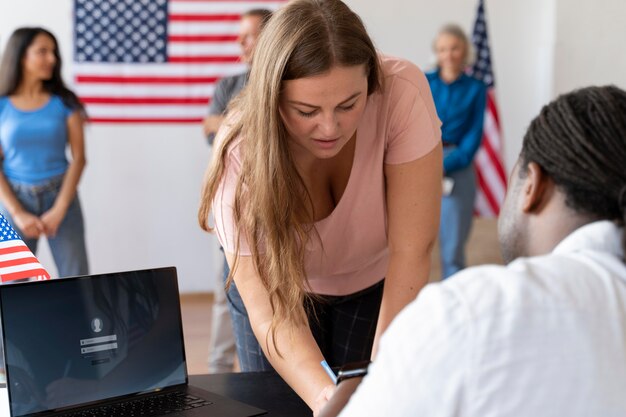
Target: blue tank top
33 141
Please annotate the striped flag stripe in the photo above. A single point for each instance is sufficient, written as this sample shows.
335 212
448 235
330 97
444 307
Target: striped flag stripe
18 261
205 48
492 131
193 111
40 274
99 79
184 120
147 90
203 59
204 17
491 106
202 38
158 70
218 1
482 207
203 28
13 250
146 100
497 187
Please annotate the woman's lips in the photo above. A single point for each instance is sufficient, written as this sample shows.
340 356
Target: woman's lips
326 143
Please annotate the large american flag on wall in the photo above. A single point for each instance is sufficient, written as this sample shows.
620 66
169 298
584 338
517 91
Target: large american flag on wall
16 260
488 161
147 61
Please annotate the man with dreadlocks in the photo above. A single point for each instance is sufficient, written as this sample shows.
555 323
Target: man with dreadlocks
546 334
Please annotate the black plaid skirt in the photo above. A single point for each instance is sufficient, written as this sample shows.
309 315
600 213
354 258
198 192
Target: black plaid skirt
343 326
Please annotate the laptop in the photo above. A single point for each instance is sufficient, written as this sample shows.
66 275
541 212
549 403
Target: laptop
102 345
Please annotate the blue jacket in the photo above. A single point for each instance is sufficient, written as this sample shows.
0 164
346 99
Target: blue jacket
461 109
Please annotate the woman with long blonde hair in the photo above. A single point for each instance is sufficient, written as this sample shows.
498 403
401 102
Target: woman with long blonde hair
325 189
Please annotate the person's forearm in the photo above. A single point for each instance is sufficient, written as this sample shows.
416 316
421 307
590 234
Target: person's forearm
212 124
406 276
9 200
70 183
299 360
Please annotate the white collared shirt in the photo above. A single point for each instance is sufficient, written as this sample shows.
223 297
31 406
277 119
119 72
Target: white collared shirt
543 336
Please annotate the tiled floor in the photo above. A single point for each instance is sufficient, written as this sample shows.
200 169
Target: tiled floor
482 248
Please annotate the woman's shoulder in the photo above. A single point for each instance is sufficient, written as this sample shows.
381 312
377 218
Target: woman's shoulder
402 78
402 69
3 102
58 103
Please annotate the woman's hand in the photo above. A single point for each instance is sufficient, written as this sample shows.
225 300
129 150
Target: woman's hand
324 396
51 220
28 224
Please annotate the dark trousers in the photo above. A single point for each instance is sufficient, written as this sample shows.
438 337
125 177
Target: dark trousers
343 326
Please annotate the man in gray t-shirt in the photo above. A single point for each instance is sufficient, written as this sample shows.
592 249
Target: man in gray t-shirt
228 87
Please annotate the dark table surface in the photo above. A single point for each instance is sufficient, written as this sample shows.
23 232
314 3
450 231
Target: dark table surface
265 390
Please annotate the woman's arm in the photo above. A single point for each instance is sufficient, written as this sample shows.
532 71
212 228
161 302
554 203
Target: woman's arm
53 217
28 224
464 154
299 365
413 204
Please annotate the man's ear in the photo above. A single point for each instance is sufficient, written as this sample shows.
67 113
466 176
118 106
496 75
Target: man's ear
538 188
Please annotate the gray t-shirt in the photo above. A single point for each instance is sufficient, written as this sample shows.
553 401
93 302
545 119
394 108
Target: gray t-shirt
227 88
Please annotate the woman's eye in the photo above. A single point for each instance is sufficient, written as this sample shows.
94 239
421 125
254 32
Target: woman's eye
347 108
306 114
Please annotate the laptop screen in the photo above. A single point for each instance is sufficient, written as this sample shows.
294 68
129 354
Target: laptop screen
80 340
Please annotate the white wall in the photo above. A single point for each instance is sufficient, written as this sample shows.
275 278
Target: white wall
140 190
590 44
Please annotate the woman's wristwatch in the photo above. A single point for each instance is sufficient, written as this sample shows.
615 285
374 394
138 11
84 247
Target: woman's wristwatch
352 370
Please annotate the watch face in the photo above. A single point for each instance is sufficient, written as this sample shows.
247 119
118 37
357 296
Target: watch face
354 365
352 370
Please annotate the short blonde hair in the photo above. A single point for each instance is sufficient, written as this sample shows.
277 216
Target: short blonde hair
457 31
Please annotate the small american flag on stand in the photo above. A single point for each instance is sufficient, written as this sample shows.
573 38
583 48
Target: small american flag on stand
488 162
16 260
155 61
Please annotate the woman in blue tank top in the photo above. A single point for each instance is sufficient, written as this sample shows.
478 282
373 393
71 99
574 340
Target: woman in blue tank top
39 118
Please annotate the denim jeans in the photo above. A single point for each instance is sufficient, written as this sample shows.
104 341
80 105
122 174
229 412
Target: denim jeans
457 210
222 342
68 246
343 327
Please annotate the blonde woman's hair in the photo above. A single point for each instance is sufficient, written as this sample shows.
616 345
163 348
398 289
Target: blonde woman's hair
457 31
272 208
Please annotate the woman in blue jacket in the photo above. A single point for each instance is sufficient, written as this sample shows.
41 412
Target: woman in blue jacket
39 118
460 102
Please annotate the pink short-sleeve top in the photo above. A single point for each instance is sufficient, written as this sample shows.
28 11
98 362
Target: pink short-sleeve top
399 125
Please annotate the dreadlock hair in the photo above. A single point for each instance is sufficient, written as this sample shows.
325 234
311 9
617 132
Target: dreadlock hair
579 140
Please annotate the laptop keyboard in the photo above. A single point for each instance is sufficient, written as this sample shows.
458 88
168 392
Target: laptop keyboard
156 405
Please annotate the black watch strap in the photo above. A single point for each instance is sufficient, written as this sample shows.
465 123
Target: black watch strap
352 371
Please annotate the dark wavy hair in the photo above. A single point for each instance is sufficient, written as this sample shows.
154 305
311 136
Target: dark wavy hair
579 140
12 72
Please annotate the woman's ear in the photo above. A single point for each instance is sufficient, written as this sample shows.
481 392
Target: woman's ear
537 189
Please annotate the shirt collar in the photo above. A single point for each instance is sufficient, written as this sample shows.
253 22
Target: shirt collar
602 236
461 78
